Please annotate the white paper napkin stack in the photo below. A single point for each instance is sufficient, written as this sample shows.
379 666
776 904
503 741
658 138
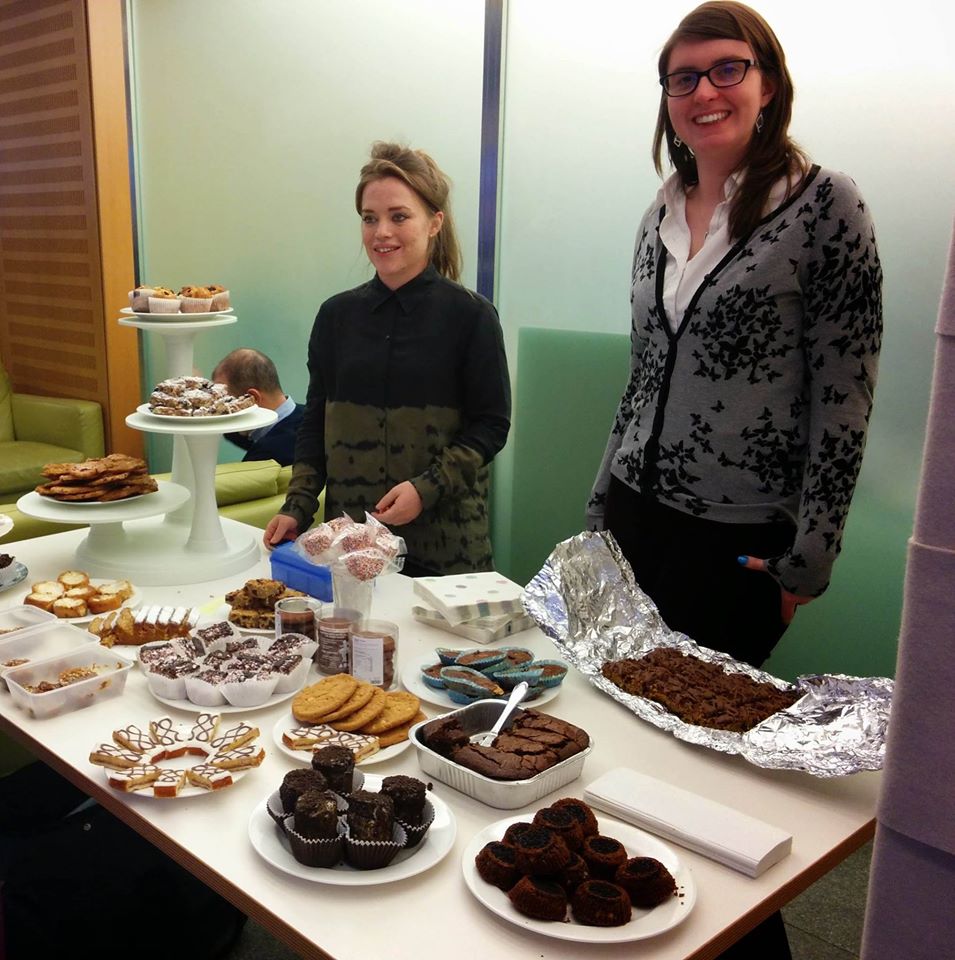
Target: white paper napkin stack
710 828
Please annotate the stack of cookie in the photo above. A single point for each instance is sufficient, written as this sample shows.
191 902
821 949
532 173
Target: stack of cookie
343 711
97 480
253 605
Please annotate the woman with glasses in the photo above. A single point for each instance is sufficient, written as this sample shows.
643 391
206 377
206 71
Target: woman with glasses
756 308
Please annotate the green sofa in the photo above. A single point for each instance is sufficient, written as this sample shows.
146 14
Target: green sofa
36 430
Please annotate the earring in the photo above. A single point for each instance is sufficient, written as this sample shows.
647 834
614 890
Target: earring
759 122
677 142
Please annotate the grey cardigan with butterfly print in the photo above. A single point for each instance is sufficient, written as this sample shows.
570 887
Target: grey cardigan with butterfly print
756 409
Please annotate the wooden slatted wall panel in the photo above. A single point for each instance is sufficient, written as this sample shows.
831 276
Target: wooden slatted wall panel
51 302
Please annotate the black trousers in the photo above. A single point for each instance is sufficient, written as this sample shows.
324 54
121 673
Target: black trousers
688 567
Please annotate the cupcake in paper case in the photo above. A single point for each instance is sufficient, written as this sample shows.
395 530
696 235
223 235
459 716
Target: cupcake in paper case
195 300
455 696
139 298
512 676
431 675
167 678
484 661
337 765
372 836
552 672
447 656
205 688
290 669
163 300
220 296
247 685
515 657
414 832
469 682
411 807
315 852
293 643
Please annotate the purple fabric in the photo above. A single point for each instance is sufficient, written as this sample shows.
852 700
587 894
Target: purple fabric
909 914
909 911
922 725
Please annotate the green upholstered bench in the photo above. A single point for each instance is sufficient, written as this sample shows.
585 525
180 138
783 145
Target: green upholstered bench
37 430
569 383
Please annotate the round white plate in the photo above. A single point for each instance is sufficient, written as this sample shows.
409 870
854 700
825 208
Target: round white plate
411 680
99 503
270 843
143 408
644 923
228 707
288 722
222 613
6 524
20 573
176 317
179 763
131 603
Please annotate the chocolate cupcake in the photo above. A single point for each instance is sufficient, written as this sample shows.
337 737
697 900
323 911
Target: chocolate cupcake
574 874
370 815
316 814
541 852
496 863
603 855
513 833
597 903
646 881
336 764
563 823
539 899
582 812
296 782
408 794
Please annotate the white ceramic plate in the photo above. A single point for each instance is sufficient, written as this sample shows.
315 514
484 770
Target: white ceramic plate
6 524
143 408
228 707
20 573
222 613
179 763
270 843
99 503
288 722
131 603
176 317
644 923
411 680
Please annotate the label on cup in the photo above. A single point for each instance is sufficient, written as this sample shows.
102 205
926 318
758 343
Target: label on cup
373 650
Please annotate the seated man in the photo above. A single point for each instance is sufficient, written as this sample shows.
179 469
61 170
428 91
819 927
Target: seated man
248 371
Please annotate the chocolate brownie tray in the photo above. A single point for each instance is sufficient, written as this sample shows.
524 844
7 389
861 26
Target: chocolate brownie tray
586 600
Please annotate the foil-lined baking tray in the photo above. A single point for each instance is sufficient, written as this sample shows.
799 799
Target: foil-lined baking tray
586 600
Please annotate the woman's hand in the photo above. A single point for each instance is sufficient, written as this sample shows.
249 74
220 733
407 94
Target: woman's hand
281 527
400 505
789 600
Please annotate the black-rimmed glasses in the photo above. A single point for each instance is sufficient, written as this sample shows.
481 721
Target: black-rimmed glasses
726 74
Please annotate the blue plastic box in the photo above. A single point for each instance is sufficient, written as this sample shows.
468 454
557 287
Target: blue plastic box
298 573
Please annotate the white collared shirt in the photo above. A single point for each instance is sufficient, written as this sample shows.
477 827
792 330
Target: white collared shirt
684 275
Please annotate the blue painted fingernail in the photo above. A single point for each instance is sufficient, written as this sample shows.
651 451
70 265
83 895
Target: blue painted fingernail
742 561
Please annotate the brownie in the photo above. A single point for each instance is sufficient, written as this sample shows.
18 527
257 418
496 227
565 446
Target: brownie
336 764
407 794
371 816
296 782
444 736
316 815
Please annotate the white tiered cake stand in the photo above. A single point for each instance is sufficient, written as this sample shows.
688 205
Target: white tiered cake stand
175 535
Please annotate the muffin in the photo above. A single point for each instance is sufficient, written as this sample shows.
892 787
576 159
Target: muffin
370 816
541 852
195 300
336 764
646 881
603 855
316 814
563 823
139 298
582 812
163 300
299 781
220 296
539 899
597 903
496 863
408 796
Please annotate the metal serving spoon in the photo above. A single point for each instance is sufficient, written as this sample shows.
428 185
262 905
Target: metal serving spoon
517 694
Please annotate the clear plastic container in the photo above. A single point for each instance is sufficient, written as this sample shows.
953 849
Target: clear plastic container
39 640
109 681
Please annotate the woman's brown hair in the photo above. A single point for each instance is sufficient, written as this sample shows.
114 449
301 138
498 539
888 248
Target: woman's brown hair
416 169
771 153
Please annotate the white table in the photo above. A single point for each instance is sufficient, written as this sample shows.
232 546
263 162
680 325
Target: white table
433 916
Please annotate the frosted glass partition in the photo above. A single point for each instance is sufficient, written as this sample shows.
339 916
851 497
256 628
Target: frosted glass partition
252 120
874 96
